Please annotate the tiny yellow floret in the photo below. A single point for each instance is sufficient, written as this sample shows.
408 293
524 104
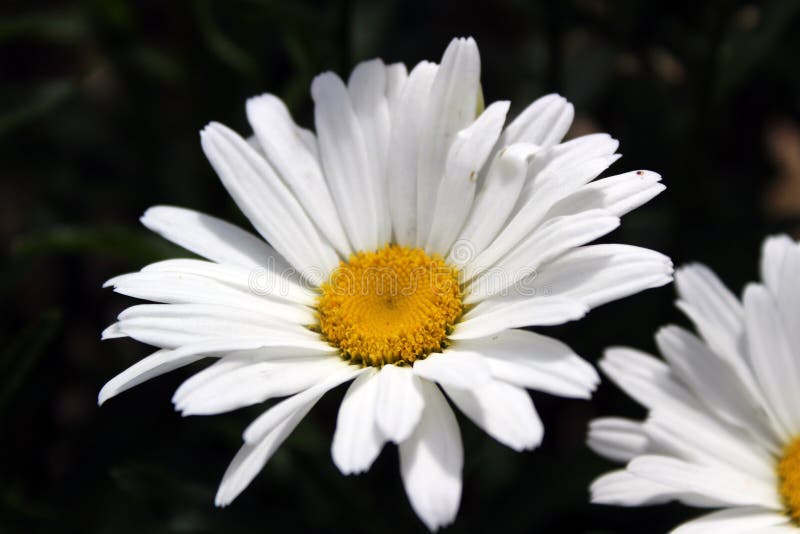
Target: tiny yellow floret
395 305
789 476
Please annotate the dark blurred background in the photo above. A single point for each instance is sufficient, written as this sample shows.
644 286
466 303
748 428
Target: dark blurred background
100 107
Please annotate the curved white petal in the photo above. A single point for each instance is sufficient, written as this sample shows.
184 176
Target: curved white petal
252 457
597 274
268 203
503 411
399 402
456 192
533 361
451 105
211 238
494 201
296 164
545 244
552 175
618 194
264 424
431 461
544 122
357 440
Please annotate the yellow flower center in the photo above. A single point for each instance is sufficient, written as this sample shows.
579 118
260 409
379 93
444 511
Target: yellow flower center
789 476
395 305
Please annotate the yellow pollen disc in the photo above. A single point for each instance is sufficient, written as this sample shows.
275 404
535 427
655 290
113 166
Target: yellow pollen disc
395 305
789 476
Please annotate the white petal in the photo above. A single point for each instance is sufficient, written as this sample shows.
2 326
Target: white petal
173 325
456 192
156 364
184 288
367 87
252 457
450 106
699 287
264 281
164 361
597 274
773 252
255 383
616 438
719 317
545 244
544 122
264 424
625 489
431 461
533 361
399 403
396 78
726 487
407 120
357 440
744 520
618 194
712 378
242 356
296 164
268 203
456 368
503 411
787 297
646 379
697 437
211 238
552 174
346 162
775 365
489 317
552 162
494 201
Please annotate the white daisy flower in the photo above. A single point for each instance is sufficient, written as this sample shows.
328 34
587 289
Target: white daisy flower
408 238
723 429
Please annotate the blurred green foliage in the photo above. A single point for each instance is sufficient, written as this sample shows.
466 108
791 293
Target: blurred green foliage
100 105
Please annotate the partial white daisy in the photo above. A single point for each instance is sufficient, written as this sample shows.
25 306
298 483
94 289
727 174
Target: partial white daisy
723 429
408 238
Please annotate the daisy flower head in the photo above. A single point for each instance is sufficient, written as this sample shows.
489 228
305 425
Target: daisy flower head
723 429
402 246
